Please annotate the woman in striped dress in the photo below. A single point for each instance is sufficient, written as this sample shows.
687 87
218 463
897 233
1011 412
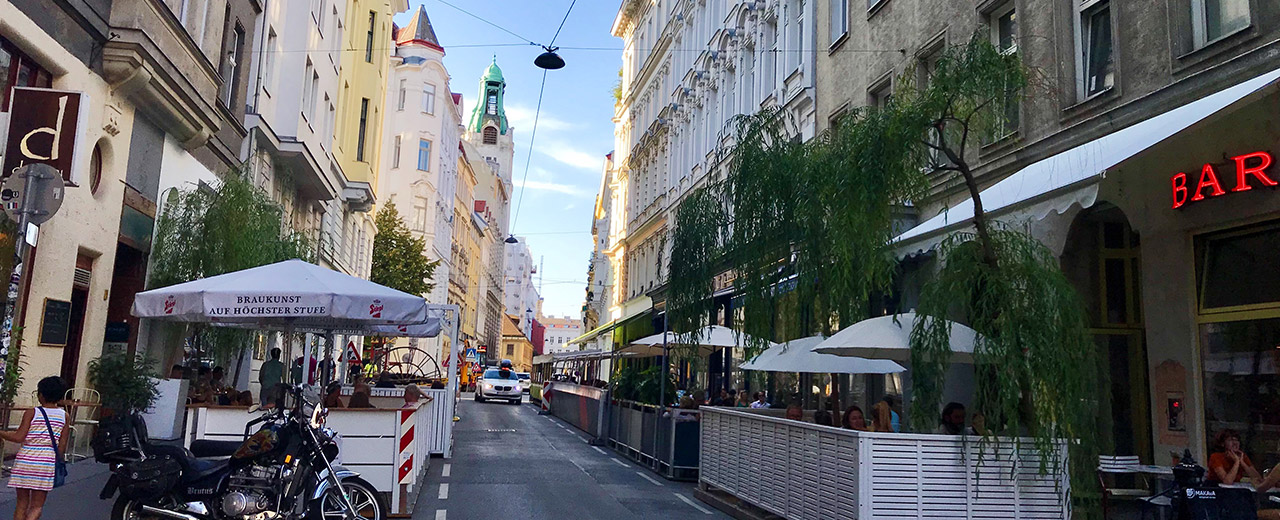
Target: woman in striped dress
33 467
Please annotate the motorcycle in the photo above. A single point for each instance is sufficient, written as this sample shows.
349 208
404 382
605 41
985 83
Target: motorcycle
284 471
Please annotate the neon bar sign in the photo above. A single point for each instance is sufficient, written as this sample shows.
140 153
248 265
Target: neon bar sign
1248 165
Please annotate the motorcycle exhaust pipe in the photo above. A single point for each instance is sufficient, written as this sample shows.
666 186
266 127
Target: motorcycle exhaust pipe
167 513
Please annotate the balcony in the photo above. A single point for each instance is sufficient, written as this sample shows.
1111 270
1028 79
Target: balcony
153 62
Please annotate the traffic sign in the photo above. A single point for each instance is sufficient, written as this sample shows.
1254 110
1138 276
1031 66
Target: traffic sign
40 185
472 356
353 355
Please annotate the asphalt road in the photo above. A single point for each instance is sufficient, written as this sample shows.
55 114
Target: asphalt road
511 463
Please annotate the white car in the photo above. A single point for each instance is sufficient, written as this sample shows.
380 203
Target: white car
524 381
499 383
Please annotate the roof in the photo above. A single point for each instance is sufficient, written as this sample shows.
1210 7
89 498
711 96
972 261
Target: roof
493 73
418 30
511 327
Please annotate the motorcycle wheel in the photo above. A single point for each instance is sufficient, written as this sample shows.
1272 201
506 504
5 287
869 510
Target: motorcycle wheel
129 509
367 501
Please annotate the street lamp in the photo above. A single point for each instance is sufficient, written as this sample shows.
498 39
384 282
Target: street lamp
511 239
549 60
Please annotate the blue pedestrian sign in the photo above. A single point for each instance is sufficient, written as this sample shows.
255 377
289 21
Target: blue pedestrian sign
472 356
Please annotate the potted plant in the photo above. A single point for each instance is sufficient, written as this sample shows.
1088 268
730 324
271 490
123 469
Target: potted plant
127 383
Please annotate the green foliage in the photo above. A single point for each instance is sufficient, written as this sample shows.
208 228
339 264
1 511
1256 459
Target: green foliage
208 231
127 383
617 88
642 384
399 259
13 368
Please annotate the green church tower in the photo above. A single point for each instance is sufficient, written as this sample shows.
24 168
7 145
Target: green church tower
489 103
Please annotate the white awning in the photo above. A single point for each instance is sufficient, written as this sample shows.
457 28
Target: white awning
1071 177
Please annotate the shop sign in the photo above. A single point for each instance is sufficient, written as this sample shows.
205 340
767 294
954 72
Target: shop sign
1251 170
44 127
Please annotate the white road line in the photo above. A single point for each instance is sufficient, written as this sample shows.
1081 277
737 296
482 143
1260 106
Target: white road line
579 466
650 479
581 438
444 492
597 448
445 471
686 500
440 514
618 462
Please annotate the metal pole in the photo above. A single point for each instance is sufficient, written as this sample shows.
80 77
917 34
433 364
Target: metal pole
18 277
451 389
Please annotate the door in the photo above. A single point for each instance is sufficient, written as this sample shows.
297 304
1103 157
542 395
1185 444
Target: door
75 333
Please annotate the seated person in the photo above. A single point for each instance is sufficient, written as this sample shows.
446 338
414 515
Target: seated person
413 395
384 381
244 398
952 420
1229 464
882 418
333 395
202 391
360 398
854 419
822 417
795 413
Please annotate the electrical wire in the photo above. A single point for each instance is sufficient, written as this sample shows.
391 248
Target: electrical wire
529 157
499 27
562 21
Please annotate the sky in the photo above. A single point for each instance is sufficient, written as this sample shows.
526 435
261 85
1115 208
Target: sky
575 127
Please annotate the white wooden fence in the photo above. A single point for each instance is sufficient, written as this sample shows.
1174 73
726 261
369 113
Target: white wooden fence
804 471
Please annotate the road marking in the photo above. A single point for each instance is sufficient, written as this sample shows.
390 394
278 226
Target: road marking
618 462
579 466
650 479
440 514
686 500
444 492
597 448
445 472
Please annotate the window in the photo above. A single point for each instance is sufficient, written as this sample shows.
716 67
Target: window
881 94
420 217
269 61
1004 35
429 98
400 96
839 19
1096 63
95 169
490 135
395 152
315 88
364 128
18 70
368 39
329 118
1213 19
424 155
511 349
492 104
308 95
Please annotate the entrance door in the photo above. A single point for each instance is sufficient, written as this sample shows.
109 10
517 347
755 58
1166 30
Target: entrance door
75 333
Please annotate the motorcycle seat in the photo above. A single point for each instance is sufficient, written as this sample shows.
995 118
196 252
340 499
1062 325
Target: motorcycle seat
192 468
205 448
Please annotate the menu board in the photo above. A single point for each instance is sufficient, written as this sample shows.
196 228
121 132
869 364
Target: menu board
56 325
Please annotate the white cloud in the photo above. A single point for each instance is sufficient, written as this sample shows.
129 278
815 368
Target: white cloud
567 189
571 156
521 117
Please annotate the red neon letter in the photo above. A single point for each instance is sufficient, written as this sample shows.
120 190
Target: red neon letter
1257 171
1208 178
1179 190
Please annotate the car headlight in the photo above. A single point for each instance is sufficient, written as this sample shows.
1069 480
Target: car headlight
488 386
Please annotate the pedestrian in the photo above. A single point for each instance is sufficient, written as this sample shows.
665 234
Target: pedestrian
40 433
760 402
952 420
270 374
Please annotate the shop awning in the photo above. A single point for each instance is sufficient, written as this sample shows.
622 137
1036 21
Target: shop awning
593 333
1071 177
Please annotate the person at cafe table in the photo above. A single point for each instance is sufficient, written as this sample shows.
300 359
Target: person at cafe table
1229 464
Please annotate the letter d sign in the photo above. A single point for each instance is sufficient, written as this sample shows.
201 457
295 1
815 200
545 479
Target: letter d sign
44 127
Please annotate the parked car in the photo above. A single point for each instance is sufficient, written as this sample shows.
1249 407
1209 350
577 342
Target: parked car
524 381
499 383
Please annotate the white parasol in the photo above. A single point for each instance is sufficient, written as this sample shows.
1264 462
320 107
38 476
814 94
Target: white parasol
889 337
798 356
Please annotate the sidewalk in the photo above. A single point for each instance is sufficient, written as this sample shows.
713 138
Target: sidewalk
78 499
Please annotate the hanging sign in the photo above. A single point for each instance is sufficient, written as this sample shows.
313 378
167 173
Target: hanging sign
1251 171
44 127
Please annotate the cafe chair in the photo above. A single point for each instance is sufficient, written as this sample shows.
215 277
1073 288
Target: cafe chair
86 406
1111 469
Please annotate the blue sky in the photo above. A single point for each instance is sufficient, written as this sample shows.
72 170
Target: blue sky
575 128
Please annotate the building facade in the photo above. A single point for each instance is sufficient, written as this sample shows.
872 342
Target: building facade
1137 157
560 330
521 297
688 68
515 346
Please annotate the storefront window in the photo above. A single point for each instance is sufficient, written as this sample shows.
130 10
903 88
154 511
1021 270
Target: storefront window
18 70
1240 337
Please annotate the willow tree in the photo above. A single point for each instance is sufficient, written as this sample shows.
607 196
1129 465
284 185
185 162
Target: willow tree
1034 359
212 230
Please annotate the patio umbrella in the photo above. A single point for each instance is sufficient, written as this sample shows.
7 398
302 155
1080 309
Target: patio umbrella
713 337
889 337
799 356
289 295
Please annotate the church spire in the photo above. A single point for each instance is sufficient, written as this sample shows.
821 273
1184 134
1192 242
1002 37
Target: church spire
489 103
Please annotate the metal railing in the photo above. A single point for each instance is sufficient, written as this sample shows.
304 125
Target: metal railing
800 470
665 441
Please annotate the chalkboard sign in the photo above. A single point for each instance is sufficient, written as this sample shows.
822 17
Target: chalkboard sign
57 323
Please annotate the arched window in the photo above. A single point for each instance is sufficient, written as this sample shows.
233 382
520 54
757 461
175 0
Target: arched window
95 169
491 135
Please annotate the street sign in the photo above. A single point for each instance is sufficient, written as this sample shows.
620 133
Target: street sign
42 189
472 355
353 355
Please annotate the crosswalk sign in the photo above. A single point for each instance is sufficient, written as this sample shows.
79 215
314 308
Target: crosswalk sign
472 355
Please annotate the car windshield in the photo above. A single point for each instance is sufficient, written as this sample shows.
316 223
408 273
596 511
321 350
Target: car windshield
499 374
